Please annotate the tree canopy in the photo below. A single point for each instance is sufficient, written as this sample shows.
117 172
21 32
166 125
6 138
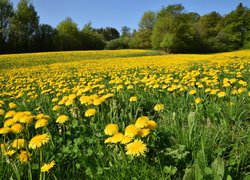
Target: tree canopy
172 29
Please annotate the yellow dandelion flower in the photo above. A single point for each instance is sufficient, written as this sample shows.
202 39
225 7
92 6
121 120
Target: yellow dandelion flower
108 140
158 107
69 102
133 99
9 122
214 91
98 101
72 96
2 112
3 148
142 122
12 105
17 116
126 140
5 130
109 95
111 129
56 108
10 114
27 113
207 90
24 156
16 128
198 100
136 148
243 83
62 119
85 100
131 130
9 152
26 119
42 116
48 166
55 100
234 92
241 90
144 132
152 124
90 112
117 138
38 141
18 143
41 123
221 94
191 92
130 86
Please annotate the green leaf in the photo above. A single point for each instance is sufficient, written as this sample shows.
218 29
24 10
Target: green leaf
193 173
246 177
65 150
89 152
74 123
88 171
191 119
197 172
208 170
78 165
99 171
229 177
34 166
218 168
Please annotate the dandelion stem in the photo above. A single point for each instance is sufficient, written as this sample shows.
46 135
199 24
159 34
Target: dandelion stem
41 160
15 170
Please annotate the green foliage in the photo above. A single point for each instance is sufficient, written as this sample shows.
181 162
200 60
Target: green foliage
91 39
6 13
68 35
142 38
108 33
23 27
168 43
172 29
120 43
45 38
176 29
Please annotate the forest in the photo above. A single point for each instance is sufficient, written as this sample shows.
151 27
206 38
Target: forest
171 29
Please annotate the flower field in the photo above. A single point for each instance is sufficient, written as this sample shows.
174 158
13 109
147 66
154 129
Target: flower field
125 114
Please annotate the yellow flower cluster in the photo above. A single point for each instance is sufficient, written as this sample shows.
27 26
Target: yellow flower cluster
20 124
140 129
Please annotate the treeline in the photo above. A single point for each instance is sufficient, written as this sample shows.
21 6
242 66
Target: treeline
172 29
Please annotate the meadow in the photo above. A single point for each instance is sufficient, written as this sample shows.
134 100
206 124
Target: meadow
125 114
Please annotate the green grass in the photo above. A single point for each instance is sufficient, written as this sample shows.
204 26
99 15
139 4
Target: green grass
210 140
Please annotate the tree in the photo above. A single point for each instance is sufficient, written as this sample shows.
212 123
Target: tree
68 36
91 39
174 30
108 33
165 23
142 38
6 13
147 21
234 29
126 31
24 26
208 29
45 38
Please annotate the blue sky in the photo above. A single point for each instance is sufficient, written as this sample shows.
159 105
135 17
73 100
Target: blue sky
117 13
